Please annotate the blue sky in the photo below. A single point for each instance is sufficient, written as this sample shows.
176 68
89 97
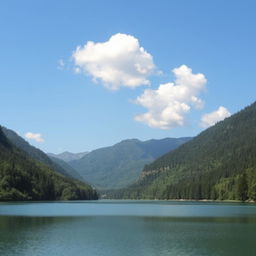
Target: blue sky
72 112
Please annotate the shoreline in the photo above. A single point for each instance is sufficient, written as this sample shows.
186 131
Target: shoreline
183 200
142 200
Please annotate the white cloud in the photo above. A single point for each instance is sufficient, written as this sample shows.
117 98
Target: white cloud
34 136
168 104
212 118
120 61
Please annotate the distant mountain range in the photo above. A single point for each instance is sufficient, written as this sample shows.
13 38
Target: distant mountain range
120 165
24 177
106 168
68 156
220 163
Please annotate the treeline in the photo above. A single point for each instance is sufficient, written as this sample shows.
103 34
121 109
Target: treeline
22 178
240 187
218 164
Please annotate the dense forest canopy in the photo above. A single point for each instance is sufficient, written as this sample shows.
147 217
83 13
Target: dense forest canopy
23 178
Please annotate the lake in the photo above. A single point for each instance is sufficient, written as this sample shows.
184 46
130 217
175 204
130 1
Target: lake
122 228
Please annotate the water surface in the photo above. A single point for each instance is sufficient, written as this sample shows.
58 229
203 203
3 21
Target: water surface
122 228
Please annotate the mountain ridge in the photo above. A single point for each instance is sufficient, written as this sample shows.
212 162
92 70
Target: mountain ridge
68 156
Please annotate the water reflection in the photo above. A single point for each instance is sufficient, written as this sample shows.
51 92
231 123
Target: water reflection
106 235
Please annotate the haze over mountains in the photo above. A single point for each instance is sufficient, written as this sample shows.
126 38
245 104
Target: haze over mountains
68 156
219 163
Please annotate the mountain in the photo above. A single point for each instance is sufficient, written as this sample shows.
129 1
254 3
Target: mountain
68 169
68 156
220 163
23 178
120 165
39 155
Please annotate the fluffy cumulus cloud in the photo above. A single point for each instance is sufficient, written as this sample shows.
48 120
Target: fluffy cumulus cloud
168 105
34 136
120 61
212 118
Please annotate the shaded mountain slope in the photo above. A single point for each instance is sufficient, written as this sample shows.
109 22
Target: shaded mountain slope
23 178
39 155
68 169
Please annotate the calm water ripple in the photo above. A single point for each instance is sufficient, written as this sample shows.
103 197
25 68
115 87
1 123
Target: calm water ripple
122 228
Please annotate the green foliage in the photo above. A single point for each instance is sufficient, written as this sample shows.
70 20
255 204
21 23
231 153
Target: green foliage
120 165
251 182
242 187
37 154
220 163
22 178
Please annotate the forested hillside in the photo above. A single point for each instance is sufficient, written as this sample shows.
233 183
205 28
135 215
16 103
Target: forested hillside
220 163
121 164
39 155
23 178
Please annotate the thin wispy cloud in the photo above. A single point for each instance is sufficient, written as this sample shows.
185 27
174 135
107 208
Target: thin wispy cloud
34 136
168 105
61 64
120 61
